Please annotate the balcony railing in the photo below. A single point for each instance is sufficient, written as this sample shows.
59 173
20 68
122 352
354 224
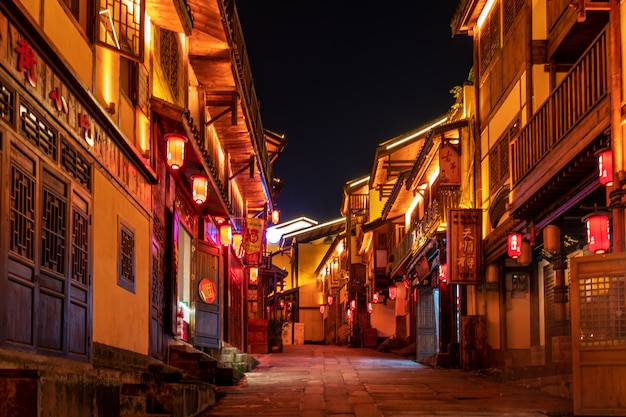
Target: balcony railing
584 86
243 73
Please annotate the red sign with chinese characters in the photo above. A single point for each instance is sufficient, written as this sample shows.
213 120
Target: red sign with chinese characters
464 246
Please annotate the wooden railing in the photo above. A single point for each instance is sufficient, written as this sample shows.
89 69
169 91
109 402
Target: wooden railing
584 86
243 73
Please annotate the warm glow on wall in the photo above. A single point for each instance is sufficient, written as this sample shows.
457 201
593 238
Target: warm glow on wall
175 150
419 196
200 188
144 135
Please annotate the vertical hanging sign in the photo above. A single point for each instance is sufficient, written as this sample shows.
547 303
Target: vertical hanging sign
253 235
464 246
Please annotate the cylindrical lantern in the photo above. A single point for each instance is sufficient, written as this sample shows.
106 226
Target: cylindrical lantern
330 300
598 233
237 240
199 188
552 238
370 307
605 167
527 255
254 275
352 304
514 245
322 308
375 297
226 234
281 303
393 291
492 274
175 150
275 216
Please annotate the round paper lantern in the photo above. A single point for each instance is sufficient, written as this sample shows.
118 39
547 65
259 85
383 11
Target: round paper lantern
598 232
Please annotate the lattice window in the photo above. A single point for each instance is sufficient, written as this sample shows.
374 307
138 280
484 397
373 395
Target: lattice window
169 56
120 26
602 311
53 224
22 216
7 103
499 170
126 275
489 38
34 128
80 245
75 165
158 278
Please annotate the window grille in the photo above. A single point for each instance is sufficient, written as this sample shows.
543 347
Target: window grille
34 128
7 103
120 26
22 216
126 277
53 224
169 55
602 311
80 245
75 165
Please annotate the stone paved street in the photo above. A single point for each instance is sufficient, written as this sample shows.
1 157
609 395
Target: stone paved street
319 381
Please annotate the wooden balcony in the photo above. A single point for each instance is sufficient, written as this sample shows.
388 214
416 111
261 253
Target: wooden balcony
567 124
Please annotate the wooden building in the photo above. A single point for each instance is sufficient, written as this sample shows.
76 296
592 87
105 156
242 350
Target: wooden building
130 137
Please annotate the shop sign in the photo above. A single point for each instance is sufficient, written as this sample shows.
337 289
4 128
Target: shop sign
464 246
207 290
253 236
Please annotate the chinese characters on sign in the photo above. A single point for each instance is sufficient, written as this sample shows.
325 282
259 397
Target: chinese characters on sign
464 246
449 165
207 290
253 235
27 61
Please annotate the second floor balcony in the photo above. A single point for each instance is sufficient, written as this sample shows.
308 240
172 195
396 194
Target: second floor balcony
559 141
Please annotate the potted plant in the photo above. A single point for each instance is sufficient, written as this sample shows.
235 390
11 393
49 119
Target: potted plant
275 332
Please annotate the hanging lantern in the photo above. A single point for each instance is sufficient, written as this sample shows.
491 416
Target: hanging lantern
330 300
370 308
200 188
375 297
514 245
552 238
393 292
598 232
349 313
527 255
322 308
605 167
237 240
254 274
275 216
443 273
175 150
352 304
281 303
226 234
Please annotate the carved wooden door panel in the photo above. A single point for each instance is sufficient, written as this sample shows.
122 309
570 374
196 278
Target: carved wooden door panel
47 261
598 302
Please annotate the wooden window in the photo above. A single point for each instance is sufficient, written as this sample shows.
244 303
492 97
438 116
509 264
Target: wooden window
169 57
499 158
120 26
75 165
489 37
126 268
80 11
7 103
38 131
53 223
22 206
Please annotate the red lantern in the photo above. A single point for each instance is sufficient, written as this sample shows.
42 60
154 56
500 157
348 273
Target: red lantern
598 232
393 292
199 188
175 150
514 245
375 297
322 308
370 308
605 167
443 273
275 216
330 300
352 304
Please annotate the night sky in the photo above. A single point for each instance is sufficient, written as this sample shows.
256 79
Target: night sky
338 77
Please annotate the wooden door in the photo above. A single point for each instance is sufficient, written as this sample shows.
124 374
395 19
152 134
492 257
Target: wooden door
46 244
157 302
427 338
598 301
208 295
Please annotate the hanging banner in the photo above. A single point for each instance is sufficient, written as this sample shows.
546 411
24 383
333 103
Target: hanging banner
450 166
253 235
464 246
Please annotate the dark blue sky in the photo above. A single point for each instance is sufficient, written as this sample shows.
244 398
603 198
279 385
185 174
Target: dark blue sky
338 77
